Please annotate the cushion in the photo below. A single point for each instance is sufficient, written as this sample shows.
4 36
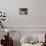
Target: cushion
26 39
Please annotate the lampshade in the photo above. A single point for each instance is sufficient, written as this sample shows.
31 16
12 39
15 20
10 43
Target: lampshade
7 30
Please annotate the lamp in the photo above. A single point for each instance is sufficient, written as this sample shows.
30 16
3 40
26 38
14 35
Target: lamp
7 31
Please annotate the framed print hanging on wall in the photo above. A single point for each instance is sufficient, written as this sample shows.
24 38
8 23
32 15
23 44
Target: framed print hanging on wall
23 11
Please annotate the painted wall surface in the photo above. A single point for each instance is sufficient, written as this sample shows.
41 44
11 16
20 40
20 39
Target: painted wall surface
36 13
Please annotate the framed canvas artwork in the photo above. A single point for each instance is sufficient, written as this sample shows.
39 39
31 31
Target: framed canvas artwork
23 11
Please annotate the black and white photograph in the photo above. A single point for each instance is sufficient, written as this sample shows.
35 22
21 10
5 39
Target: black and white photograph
23 11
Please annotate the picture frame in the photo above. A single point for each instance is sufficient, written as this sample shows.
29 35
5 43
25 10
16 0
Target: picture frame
23 11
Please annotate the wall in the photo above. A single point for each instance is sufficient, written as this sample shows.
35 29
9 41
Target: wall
36 13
